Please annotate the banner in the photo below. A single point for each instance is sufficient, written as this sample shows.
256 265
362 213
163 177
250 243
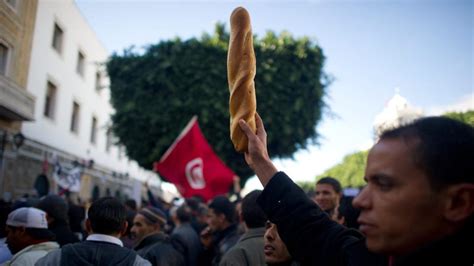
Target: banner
69 180
193 167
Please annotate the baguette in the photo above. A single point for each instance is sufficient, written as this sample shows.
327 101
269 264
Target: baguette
241 69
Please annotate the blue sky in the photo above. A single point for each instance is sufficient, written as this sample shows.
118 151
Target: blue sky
424 48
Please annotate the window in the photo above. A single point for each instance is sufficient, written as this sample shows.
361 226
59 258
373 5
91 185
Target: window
98 82
94 130
50 101
109 139
58 36
4 54
80 63
75 118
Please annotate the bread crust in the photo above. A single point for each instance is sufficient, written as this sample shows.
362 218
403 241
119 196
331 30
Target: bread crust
241 70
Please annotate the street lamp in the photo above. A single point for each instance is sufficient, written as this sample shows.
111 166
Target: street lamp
18 140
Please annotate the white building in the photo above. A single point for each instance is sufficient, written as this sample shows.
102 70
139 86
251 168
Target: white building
72 112
397 112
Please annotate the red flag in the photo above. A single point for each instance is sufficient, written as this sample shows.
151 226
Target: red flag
193 167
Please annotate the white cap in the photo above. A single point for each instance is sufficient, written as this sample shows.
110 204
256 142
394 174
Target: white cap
28 218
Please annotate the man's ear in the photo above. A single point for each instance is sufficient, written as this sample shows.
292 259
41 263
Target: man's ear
459 202
123 231
88 227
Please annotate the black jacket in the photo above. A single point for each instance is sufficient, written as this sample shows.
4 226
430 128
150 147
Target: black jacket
90 253
157 249
189 240
222 242
312 238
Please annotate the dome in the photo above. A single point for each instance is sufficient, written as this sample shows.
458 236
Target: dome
397 112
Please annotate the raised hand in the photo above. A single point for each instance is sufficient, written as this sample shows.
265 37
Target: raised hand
257 154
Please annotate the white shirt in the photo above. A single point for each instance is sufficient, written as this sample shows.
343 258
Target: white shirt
105 238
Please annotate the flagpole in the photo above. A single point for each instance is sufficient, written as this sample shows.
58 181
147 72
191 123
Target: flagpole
180 136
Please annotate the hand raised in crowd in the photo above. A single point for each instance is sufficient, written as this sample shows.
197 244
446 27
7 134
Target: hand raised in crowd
257 155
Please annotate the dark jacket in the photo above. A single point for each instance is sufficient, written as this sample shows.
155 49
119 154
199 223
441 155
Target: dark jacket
157 249
189 239
248 251
222 242
225 240
312 238
92 253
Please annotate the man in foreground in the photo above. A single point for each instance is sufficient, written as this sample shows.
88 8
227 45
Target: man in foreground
28 237
417 207
106 223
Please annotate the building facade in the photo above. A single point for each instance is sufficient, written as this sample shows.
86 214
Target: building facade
17 20
72 123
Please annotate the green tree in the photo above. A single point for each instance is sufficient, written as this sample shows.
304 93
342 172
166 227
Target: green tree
307 186
155 93
466 117
350 172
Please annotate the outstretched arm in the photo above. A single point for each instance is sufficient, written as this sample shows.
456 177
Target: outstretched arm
257 155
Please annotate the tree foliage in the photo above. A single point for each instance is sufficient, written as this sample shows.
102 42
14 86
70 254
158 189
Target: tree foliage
155 93
466 117
350 172
307 186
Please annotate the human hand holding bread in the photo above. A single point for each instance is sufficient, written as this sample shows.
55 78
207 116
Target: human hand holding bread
247 131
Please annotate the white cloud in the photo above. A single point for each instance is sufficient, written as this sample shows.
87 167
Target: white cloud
464 104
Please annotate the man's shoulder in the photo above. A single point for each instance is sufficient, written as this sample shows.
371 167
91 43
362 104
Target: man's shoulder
235 256
52 258
139 261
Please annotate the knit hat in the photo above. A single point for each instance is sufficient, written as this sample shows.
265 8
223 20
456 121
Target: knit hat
55 206
153 215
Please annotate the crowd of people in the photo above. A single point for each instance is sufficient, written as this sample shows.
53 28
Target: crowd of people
416 209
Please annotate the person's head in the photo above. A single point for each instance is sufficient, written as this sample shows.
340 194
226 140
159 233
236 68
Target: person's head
252 214
274 248
328 193
201 214
148 221
107 216
221 213
131 205
56 208
25 227
420 185
184 214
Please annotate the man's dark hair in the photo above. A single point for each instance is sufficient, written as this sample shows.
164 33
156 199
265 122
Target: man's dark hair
443 148
222 205
131 204
184 213
107 216
193 203
331 181
252 214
